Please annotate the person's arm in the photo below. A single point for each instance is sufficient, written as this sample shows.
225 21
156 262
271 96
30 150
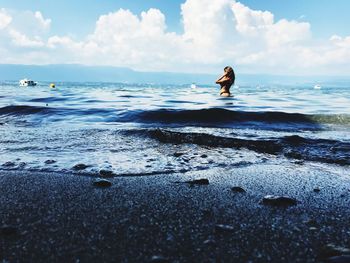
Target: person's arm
219 79
222 79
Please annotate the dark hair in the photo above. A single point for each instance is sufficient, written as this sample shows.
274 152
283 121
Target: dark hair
231 73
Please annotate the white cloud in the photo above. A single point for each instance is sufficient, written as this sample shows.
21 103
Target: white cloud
216 33
5 19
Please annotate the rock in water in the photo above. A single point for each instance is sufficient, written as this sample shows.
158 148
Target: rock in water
274 200
106 173
50 161
102 183
178 154
9 164
237 189
80 166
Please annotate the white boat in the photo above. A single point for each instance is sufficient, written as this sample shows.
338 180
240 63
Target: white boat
317 86
26 83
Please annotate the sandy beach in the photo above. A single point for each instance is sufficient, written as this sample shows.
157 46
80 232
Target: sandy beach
52 217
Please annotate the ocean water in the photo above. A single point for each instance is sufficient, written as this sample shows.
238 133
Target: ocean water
144 129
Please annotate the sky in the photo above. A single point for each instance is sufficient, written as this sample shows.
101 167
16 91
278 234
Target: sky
201 36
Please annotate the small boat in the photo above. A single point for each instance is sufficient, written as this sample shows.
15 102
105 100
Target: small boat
317 87
27 82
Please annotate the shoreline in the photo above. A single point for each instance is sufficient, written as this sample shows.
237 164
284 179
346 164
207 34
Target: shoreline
50 217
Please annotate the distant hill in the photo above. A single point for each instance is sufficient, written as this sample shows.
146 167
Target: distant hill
81 73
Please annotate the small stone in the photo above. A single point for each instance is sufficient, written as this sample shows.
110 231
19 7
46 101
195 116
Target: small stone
178 154
9 164
50 161
80 166
238 189
106 173
102 183
278 201
204 156
317 190
159 259
199 182
224 228
8 230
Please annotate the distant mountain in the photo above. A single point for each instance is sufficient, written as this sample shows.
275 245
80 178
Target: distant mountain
81 73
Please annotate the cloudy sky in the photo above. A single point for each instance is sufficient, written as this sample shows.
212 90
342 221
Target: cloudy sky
272 36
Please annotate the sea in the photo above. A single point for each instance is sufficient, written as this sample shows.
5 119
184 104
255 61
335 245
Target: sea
149 129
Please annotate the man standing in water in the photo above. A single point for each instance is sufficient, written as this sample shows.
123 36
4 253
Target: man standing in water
226 81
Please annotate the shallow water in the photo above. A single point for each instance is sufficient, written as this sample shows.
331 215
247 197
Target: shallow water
142 129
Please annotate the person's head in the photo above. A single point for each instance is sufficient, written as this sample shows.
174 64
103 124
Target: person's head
228 70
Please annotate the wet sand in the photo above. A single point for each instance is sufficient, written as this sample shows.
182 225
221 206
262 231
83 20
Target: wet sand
53 217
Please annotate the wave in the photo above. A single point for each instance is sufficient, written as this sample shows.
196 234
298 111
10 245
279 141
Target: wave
296 147
224 116
19 110
203 117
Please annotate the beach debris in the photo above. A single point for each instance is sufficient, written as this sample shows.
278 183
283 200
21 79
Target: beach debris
80 166
8 164
102 183
224 228
331 250
7 230
106 173
237 189
274 200
50 161
159 259
317 190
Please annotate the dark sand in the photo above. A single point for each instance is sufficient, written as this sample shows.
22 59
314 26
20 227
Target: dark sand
63 217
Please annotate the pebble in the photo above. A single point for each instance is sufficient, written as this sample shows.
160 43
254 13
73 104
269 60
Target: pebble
224 228
106 173
274 200
80 166
102 183
238 189
50 161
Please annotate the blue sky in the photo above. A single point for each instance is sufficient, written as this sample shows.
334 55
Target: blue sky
78 17
270 36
